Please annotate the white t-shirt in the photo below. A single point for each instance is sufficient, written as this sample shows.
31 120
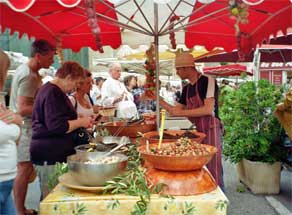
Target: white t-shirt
112 89
80 109
8 153
24 83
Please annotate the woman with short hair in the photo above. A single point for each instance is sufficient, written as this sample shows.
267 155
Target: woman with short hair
53 121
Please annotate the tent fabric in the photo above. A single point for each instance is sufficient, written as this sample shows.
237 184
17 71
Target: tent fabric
217 29
133 22
227 70
50 20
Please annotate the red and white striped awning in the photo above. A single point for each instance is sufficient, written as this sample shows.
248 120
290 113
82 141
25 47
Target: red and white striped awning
227 70
24 5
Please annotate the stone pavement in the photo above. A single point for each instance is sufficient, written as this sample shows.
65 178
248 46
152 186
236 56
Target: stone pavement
246 203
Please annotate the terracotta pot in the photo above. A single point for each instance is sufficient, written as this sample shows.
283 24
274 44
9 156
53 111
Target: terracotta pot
121 128
177 163
152 136
182 183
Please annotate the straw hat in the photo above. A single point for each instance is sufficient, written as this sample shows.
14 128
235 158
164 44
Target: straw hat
184 59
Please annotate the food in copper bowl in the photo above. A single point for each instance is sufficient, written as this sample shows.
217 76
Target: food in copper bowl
183 155
129 129
174 135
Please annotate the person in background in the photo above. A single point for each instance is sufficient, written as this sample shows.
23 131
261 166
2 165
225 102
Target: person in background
80 98
25 84
4 65
167 93
95 93
177 93
199 102
9 134
53 121
44 73
130 82
113 91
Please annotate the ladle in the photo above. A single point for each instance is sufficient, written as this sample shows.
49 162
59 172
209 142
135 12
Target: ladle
124 140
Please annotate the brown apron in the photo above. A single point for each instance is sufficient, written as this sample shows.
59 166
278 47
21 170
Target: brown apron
209 125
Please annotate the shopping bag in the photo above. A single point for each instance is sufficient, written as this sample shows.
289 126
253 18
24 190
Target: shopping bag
126 109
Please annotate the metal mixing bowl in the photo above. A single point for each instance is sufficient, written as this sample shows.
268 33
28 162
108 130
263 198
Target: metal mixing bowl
94 174
98 148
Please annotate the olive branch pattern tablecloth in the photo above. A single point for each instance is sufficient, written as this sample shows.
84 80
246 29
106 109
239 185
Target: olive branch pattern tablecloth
65 201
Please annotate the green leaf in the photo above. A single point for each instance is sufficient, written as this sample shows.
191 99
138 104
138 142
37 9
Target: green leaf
250 127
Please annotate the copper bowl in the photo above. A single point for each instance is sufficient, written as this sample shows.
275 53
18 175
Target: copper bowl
122 128
177 163
181 183
152 136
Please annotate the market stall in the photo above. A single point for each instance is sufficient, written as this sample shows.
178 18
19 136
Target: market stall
189 190
147 19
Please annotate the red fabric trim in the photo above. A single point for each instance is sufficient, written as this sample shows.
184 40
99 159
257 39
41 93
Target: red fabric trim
68 3
22 5
228 70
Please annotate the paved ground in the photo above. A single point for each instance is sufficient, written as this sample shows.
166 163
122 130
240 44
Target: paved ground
244 203
248 203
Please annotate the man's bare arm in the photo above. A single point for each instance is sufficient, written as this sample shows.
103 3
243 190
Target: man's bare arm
25 105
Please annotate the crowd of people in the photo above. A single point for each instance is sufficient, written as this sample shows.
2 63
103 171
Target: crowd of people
43 117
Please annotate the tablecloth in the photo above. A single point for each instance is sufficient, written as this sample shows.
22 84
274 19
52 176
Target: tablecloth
66 201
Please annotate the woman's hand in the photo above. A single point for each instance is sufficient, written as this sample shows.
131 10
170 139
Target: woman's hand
85 122
9 117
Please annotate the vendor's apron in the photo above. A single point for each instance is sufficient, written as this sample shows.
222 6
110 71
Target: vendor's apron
209 125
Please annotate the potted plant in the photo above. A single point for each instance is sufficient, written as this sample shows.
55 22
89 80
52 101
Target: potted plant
253 135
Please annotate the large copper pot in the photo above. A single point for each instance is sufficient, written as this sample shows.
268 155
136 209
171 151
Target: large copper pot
122 128
177 163
152 136
181 183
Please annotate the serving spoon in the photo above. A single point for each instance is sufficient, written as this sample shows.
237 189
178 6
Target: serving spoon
123 141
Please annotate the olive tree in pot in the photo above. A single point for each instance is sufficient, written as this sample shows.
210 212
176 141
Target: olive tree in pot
253 135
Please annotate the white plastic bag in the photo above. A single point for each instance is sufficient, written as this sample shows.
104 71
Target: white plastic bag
127 109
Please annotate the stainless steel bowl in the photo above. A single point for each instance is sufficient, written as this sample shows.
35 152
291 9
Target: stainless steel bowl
93 174
98 148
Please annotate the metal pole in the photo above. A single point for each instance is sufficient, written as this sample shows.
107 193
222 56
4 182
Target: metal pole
156 44
256 64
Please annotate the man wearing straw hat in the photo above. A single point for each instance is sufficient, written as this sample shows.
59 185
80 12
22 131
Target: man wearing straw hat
199 102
